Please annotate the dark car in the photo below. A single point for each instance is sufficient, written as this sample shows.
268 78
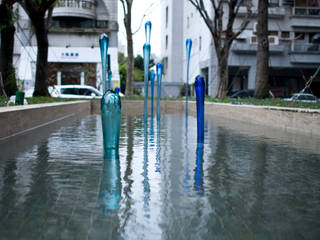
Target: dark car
246 93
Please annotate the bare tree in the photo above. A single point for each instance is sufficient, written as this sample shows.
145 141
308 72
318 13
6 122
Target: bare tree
6 46
127 6
36 11
262 67
223 33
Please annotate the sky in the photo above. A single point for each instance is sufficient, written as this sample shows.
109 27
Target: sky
152 11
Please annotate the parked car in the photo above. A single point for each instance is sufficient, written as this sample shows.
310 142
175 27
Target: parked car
74 91
302 97
246 93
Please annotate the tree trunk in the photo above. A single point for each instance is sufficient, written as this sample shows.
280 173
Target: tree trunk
262 72
130 68
6 51
41 84
223 75
130 59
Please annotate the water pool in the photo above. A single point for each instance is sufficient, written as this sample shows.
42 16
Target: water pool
247 183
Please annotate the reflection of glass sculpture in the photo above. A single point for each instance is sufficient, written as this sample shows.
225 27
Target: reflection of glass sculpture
152 76
198 172
200 92
110 188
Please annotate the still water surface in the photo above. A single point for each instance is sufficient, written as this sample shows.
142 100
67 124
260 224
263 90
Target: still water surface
241 185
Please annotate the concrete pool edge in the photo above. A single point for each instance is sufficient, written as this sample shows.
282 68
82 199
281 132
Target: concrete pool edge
19 119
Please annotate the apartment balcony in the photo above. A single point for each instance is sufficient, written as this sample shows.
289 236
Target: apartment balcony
75 8
305 17
305 53
273 12
251 48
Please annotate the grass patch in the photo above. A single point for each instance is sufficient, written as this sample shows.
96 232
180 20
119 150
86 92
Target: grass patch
277 102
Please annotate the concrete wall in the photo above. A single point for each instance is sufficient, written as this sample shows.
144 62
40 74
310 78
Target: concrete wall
303 121
20 119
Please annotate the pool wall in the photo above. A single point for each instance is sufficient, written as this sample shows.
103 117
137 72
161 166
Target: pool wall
305 121
19 119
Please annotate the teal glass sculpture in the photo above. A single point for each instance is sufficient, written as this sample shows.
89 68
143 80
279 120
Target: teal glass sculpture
104 43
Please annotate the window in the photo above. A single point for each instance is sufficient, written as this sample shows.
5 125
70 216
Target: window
285 35
200 43
167 16
73 91
167 41
299 36
273 33
188 22
273 3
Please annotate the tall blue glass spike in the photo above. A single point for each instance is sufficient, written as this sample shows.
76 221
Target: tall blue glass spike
188 48
109 85
198 172
200 93
104 43
152 76
146 56
148 31
159 77
110 186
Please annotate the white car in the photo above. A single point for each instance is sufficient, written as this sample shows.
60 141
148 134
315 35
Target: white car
302 97
74 91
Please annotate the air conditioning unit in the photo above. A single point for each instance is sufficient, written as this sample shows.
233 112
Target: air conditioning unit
255 24
273 40
253 40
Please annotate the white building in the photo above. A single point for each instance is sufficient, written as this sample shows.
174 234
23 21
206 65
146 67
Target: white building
74 54
294 36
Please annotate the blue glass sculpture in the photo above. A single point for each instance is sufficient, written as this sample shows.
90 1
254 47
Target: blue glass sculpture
104 43
146 56
188 48
148 31
109 84
200 93
159 78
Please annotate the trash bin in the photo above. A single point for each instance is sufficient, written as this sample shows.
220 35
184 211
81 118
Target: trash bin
19 98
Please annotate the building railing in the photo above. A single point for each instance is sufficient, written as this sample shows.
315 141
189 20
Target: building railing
84 4
306 11
306 47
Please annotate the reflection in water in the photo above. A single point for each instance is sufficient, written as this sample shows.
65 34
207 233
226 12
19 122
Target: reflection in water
158 158
146 186
198 172
242 187
110 187
186 176
127 188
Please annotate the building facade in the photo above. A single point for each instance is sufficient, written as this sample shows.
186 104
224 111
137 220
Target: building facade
294 38
74 54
